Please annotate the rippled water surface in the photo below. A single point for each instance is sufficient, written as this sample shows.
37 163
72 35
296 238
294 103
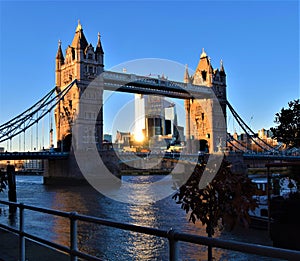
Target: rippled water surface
114 244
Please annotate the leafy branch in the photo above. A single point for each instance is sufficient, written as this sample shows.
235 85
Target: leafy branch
288 129
229 198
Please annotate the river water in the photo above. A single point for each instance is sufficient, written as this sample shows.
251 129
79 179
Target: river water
114 244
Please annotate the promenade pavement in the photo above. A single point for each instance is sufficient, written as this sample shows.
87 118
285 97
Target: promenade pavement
9 249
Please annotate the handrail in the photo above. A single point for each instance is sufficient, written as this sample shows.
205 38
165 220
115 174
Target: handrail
172 235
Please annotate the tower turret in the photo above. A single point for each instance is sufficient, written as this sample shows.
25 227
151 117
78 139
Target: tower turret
186 78
222 72
204 120
84 63
204 71
99 52
59 62
79 40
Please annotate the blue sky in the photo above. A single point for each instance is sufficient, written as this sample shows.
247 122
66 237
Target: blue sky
257 40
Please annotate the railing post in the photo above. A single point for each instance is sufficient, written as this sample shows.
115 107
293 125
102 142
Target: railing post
73 235
22 251
173 246
12 194
269 187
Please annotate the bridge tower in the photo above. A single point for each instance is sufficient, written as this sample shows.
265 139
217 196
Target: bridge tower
84 63
205 123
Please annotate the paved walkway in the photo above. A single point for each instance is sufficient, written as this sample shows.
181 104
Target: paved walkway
9 249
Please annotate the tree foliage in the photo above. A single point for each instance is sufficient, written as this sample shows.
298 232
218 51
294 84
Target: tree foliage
229 197
288 129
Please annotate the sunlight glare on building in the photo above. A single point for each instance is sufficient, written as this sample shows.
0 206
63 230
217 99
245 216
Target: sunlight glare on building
139 123
139 136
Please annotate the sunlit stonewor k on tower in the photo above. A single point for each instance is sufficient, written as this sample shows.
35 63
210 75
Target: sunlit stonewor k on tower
84 63
80 67
204 122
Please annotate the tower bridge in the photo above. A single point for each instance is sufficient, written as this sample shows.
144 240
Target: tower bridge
78 105
204 94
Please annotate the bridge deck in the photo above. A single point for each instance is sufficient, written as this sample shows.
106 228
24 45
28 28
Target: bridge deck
33 155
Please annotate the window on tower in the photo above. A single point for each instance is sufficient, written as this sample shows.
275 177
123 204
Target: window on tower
203 73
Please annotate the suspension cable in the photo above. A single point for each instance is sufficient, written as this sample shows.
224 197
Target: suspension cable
24 141
237 141
233 145
31 138
244 126
43 133
249 136
39 110
16 119
37 136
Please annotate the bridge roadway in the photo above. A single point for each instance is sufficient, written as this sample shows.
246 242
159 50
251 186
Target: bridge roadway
270 157
33 155
192 157
130 156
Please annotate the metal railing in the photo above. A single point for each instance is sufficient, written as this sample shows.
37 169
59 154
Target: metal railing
172 235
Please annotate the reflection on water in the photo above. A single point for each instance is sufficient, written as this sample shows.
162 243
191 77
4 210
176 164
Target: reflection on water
115 244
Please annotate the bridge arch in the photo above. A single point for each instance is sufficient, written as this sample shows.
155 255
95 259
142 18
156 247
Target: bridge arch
67 142
203 145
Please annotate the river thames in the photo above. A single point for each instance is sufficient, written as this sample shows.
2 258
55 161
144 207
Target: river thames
114 244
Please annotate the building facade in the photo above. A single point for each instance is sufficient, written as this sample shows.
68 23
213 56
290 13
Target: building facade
156 117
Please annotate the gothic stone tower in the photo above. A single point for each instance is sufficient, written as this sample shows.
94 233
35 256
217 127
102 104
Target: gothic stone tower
205 119
84 63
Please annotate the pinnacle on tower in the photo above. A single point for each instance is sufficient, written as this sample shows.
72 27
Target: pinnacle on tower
203 54
79 40
79 27
59 54
186 77
99 49
222 70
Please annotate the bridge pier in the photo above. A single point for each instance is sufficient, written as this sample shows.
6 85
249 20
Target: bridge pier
67 171
63 172
238 164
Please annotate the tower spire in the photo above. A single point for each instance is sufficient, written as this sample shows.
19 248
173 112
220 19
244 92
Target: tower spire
186 78
79 40
59 54
222 70
79 27
99 49
221 65
203 54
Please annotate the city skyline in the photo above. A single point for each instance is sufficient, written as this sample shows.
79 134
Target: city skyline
261 55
